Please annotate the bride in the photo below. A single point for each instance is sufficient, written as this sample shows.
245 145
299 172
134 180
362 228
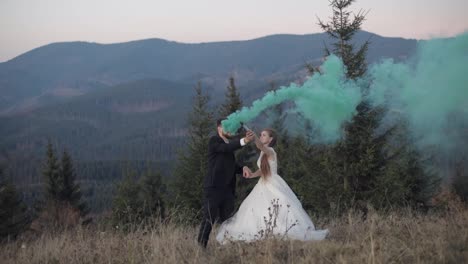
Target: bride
271 208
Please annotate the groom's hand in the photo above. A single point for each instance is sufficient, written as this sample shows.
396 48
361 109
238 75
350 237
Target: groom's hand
249 136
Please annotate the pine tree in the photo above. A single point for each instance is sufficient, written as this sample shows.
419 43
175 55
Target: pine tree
152 192
193 159
361 128
232 99
70 191
62 205
246 155
14 215
407 179
138 200
342 29
51 174
361 161
126 206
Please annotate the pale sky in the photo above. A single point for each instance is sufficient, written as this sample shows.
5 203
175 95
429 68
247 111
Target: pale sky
28 24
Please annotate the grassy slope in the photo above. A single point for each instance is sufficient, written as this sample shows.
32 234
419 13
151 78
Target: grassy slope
399 237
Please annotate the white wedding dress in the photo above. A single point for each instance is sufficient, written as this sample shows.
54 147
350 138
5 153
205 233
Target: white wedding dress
271 209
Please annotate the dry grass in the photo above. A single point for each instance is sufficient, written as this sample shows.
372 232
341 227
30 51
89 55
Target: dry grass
398 237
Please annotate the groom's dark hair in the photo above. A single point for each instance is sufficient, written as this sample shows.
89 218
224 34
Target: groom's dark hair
218 122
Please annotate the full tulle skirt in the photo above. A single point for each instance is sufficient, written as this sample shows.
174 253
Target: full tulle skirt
270 210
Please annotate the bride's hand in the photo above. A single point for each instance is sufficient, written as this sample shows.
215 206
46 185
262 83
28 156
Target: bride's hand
246 172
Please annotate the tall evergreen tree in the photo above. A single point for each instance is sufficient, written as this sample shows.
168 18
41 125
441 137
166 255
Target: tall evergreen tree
62 205
233 101
342 28
193 159
51 174
138 200
361 161
247 154
14 216
152 192
126 205
69 189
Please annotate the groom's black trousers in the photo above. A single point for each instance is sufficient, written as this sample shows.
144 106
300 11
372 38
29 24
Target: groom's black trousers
218 204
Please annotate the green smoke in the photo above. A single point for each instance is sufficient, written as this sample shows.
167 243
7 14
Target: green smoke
327 99
430 90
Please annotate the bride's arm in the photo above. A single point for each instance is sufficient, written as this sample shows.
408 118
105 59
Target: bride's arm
255 174
248 173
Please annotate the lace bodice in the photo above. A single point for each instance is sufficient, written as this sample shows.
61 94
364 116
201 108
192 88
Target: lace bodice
272 161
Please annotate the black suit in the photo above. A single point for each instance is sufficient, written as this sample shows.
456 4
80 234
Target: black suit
219 184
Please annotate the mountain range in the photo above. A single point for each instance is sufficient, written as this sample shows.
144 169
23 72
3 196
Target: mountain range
129 101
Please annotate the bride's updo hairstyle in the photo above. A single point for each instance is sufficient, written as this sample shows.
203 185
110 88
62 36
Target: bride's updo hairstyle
264 166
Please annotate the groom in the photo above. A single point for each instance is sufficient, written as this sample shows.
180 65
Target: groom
220 180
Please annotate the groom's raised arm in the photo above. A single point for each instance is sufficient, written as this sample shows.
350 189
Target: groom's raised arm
218 145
